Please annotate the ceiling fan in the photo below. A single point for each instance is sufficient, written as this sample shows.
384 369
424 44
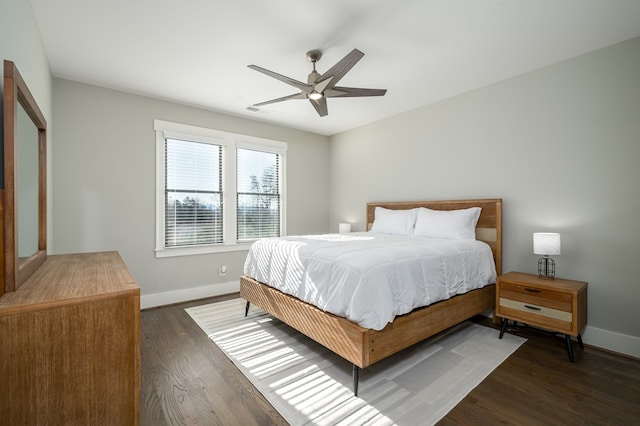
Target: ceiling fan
319 87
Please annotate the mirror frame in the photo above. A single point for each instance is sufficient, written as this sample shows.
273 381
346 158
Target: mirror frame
17 270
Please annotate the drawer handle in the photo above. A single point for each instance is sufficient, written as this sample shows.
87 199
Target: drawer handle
533 290
535 308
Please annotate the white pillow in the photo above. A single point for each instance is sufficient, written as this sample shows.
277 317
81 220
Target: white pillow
450 224
396 222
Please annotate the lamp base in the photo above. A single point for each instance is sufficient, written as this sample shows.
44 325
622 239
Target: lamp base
546 268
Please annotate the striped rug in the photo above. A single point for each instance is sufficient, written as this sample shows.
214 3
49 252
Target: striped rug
309 385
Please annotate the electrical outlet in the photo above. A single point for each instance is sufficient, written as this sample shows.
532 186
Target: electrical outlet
222 270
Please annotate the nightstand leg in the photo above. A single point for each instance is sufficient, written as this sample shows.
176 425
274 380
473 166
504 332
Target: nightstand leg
503 328
569 348
580 342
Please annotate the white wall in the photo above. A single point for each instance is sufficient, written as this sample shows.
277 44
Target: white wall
560 146
20 43
104 162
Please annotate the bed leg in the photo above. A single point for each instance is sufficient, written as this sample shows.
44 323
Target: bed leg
246 308
356 379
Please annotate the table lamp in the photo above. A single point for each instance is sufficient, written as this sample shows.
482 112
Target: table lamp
344 227
547 244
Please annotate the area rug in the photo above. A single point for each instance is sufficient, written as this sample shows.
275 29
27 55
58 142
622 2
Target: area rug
310 385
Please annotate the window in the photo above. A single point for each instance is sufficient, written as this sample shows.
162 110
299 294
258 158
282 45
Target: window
216 191
192 193
258 206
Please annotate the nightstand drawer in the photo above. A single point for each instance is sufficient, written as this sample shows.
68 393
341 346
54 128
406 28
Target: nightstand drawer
540 297
536 315
536 309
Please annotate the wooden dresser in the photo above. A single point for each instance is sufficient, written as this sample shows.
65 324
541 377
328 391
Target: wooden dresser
70 344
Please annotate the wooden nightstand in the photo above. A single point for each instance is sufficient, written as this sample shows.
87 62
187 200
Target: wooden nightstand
556 305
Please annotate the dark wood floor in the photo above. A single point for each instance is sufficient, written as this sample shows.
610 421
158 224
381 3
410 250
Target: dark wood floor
187 380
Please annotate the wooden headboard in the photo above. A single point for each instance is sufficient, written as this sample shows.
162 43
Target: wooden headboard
488 229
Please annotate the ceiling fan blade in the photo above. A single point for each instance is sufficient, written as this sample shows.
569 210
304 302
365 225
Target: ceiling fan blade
352 92
300 95
320 105
290 81
322 86
341 68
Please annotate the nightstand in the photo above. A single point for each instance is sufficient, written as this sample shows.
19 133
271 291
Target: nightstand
557 305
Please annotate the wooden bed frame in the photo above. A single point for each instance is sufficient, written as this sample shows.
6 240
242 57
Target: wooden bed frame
363 347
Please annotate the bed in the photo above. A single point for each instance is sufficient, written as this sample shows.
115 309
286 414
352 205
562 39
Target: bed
363 346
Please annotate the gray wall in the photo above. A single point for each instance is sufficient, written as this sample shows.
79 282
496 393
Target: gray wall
104 162
20 42
560 146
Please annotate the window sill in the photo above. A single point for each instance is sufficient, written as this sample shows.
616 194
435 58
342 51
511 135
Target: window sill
196 250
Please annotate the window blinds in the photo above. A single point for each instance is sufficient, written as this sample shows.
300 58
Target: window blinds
258 194
193 193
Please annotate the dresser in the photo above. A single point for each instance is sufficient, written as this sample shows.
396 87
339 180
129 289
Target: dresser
558 305
70 344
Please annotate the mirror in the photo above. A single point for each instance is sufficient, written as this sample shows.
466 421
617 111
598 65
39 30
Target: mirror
25 142
27 184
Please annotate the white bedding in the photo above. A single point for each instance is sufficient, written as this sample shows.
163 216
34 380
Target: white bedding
370 278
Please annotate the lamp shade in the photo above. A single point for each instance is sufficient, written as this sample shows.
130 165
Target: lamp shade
546 243
344 228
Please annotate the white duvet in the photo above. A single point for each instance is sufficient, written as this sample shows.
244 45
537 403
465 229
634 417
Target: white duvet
370 278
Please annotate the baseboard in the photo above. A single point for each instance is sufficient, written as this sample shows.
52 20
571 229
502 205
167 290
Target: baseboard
187 294
612 341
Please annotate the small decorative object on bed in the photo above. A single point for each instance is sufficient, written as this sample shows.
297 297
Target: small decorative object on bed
422 267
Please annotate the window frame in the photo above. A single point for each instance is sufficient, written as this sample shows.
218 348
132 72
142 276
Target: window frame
230 143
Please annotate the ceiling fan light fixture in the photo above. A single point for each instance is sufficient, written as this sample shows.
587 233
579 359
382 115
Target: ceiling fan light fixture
315 95
320 87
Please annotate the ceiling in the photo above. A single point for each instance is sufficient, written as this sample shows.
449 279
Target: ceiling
196 52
